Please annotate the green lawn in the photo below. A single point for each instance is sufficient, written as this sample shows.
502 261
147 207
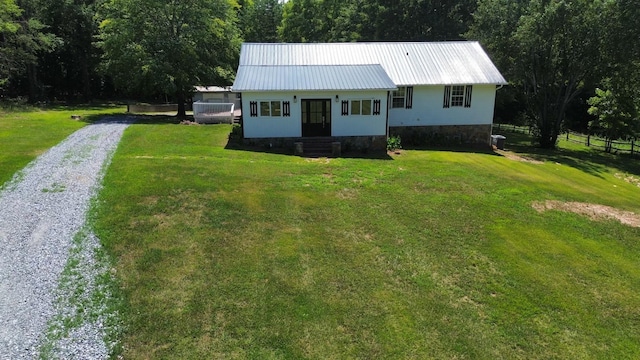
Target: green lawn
27 132
432 254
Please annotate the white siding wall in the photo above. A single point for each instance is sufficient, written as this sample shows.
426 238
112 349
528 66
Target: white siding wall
291 126
427 108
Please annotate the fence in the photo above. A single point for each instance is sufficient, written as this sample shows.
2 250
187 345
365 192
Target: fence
213 112
617 147
513 128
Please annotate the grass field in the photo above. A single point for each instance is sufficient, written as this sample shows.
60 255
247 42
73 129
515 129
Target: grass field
429 254
27 132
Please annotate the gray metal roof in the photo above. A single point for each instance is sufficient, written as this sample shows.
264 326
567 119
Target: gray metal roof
212 89
312 77
406 63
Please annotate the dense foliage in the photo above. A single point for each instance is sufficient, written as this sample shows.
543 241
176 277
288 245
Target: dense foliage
554 53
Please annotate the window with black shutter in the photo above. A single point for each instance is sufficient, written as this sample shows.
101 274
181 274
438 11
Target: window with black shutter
376 107
409 100
467 97
447 96
345 107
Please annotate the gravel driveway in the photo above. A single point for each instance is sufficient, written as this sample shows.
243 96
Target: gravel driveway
49 263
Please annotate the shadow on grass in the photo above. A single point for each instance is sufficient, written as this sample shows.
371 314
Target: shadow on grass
589 160
138 119
236 145
477 149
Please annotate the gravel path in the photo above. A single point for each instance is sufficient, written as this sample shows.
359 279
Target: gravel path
46 251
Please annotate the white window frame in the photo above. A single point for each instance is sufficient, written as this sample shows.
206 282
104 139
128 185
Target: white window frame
395 96
457 97
360 112
271 107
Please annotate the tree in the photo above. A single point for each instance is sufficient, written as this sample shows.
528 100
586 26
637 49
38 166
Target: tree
71 68
9 13
549 49
23 39
616 115
159 46
260 20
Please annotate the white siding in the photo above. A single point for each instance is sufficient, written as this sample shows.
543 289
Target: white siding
427 108
291 126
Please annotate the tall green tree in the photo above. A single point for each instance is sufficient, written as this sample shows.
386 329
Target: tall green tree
9 13
616 114
260 20
71 68
548 49
160 46
24 40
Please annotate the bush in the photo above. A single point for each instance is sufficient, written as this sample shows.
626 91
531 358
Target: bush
394 143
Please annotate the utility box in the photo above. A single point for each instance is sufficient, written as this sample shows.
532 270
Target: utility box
498 141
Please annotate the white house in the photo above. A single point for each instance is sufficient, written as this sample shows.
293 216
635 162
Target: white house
359 93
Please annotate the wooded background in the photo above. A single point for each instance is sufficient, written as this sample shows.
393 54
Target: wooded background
571 64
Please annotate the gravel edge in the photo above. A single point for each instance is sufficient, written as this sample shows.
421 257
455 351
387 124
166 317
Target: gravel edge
57 292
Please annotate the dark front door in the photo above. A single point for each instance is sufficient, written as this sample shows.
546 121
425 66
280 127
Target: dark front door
316 117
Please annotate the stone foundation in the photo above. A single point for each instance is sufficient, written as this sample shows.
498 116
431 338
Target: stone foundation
444 135
362 144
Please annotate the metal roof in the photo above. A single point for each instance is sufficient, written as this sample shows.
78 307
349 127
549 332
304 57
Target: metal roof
212 89
312 77
406 63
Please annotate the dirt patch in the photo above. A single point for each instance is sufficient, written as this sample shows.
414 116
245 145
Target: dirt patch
629 178
593 211
322 160
513 156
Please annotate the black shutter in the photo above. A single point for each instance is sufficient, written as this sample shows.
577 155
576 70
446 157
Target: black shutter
253 108
409 100
376 107
345 107
286 108
447 96
467 97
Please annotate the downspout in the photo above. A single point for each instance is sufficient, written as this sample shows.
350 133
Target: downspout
387 117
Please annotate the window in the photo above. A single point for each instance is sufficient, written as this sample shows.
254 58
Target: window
355 107
265 108
274 108
366 107
457 95
397 97
360 107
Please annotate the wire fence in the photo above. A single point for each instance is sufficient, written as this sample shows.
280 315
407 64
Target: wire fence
617 147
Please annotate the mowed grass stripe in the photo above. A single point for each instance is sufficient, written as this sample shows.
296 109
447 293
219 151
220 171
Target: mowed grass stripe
27 133
434 254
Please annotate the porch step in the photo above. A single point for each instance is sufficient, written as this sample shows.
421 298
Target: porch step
315 147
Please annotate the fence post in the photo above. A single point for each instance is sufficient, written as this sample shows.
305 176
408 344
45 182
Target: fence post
631 147
567 136
588 140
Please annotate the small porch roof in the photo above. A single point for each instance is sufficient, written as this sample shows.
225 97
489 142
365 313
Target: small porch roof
312 77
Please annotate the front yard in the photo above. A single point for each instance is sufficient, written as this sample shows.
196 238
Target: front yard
434 254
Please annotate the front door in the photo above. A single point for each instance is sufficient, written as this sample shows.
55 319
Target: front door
316 117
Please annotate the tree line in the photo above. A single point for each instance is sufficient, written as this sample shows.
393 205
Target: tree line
570 63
